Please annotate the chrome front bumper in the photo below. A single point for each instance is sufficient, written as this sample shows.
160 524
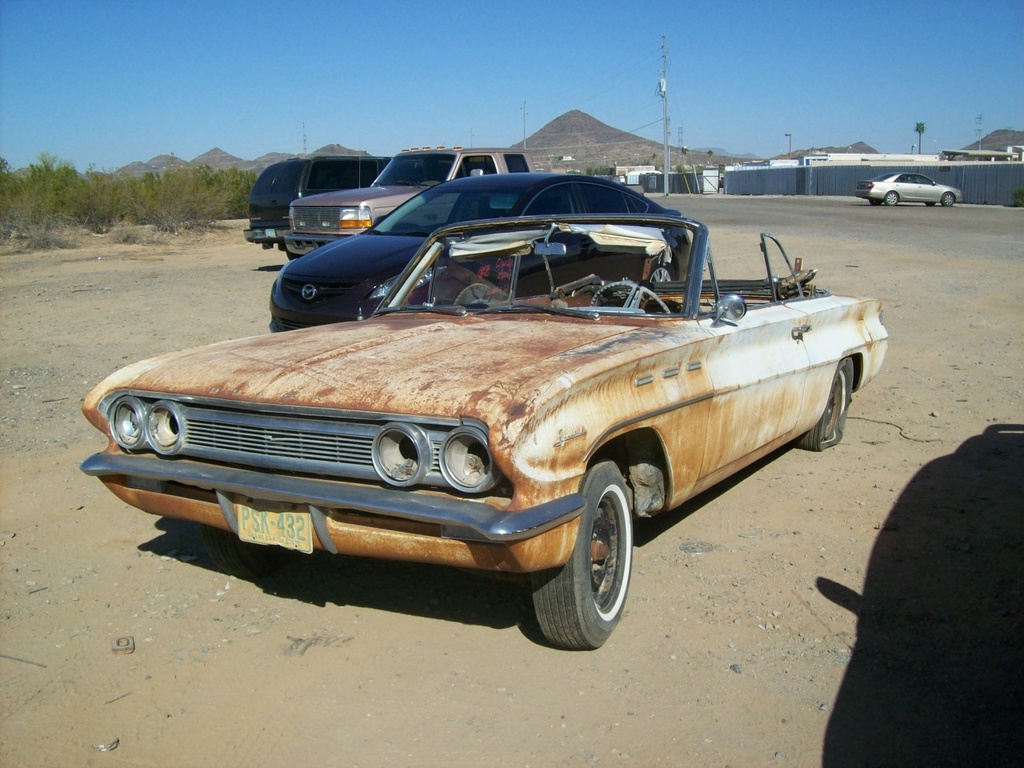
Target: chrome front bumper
462 519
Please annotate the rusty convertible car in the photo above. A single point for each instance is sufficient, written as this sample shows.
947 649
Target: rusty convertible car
526 391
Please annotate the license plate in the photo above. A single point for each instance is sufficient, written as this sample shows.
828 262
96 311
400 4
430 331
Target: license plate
271 233
291 530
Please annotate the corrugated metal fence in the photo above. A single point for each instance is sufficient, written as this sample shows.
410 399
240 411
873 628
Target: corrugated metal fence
981 183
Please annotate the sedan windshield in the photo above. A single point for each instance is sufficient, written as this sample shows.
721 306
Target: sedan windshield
438 207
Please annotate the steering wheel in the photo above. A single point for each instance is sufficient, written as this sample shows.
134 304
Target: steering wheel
635 297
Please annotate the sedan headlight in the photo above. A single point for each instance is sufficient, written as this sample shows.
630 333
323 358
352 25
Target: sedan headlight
466 462
128 423
384 288
165 427
402 454
354 218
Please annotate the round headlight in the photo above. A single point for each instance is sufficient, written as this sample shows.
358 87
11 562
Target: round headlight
402 454
165 427
128 423
465 461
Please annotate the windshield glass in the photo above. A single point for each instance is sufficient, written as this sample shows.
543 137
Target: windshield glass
440 206
590 267
416 170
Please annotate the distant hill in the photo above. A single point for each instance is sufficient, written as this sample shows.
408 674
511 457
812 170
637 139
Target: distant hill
574 141
857 148
998 140
577 141
218 159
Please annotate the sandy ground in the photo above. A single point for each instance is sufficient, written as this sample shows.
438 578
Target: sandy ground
857 607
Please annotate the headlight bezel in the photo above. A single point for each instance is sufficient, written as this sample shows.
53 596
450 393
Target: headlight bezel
135 409
165 427
397 441
462 447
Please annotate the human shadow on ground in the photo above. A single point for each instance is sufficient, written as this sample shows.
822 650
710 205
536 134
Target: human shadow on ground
937 674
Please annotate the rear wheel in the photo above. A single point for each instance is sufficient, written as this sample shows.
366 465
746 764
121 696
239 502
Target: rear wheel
579 604
830 427
947 199
240 558
892 197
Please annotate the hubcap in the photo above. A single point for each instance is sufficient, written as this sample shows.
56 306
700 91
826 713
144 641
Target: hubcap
604 547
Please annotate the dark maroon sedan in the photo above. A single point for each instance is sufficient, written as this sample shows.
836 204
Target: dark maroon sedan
346 279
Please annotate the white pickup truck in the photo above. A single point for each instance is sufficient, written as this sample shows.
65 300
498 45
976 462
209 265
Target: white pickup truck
320 219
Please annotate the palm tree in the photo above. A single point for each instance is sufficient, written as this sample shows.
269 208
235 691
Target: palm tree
919 129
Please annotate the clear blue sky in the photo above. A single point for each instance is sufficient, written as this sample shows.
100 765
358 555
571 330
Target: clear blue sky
102 83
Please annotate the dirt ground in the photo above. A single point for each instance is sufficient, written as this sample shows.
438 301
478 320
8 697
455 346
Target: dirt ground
856 607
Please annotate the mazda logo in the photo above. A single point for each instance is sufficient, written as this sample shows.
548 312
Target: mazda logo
309 292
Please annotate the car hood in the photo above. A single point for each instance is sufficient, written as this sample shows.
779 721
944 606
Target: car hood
354 258
362 195
498 370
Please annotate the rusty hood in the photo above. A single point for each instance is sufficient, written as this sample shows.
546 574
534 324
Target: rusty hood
429 365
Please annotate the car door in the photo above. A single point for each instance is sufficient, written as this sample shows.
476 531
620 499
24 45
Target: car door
758 369
927 189
908 188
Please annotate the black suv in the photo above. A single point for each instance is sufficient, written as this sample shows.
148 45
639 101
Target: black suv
289 180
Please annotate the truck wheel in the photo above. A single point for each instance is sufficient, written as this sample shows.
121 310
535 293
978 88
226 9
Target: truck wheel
830 427
579 604
240 558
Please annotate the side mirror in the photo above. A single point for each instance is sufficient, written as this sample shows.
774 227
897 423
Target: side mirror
729 308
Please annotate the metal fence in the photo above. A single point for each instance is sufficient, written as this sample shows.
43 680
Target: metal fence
981 183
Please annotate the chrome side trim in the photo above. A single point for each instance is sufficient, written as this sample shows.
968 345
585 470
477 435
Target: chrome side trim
461 518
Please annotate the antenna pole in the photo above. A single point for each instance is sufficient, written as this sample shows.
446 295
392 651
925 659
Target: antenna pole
663 90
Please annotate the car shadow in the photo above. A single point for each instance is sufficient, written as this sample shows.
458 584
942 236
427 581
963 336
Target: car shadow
937 673
415 589
269 268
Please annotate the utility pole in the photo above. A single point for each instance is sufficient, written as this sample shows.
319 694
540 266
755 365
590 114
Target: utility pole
303 139
790 153
978 120
524 126
663 91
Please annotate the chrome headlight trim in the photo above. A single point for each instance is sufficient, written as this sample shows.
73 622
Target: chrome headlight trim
402 454
127 419
165 427
466 462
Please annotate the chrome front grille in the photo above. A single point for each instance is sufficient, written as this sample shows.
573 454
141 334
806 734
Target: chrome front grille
316 292
341 447
315 218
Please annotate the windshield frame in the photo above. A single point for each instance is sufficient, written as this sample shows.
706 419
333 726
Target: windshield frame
536 228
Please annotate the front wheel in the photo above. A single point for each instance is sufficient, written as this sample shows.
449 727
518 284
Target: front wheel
830 427
579 604
240 558
947 199
892 197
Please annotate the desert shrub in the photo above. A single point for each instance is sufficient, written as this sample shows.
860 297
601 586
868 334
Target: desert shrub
39 205
26 230
187 198
102 201
1018 197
